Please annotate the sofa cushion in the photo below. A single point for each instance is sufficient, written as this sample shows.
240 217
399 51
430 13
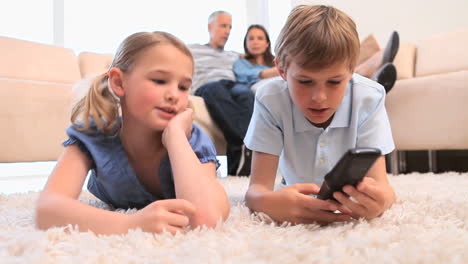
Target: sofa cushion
442 53
34 116
92 64
203 119
405 61
39 62
369 46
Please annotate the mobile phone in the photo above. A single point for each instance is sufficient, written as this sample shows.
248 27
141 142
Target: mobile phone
349 170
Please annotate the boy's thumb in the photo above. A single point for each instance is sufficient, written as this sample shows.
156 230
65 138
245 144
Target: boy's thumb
307 188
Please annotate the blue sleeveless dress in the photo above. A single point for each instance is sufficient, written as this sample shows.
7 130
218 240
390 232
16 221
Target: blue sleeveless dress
112 178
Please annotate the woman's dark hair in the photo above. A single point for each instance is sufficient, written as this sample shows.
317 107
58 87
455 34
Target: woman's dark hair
267 56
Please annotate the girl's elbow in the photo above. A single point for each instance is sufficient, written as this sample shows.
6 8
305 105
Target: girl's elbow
42 213
209 220
46 211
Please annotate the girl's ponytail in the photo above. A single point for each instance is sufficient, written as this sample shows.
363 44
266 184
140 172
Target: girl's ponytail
99 105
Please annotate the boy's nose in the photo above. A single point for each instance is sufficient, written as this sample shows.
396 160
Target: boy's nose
319 95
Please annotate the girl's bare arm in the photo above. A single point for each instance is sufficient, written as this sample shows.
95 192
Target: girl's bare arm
58 205
194 181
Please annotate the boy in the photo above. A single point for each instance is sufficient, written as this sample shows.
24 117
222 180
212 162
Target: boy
308 120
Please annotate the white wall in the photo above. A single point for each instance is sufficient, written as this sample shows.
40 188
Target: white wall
414 20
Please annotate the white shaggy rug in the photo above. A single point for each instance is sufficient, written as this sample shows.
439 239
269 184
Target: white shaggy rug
428 224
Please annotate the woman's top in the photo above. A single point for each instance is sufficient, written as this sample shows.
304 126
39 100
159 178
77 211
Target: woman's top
246 72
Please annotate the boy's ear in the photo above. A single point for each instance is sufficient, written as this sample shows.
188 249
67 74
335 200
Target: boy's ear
281 71
116 81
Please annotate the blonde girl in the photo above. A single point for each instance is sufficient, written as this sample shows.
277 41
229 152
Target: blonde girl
134 133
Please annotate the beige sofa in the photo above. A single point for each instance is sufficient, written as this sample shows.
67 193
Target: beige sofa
428 106
36 84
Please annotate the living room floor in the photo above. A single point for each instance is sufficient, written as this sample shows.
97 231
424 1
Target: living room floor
20 177
31 176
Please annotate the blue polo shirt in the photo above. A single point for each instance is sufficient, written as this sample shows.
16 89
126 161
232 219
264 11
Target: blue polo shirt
308 152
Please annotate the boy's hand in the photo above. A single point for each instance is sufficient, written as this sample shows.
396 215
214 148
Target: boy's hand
182 122
169 215
294 204
369 199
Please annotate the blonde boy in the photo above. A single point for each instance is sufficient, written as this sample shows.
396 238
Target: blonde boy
306 122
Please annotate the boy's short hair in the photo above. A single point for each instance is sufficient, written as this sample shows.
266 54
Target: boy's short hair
317 36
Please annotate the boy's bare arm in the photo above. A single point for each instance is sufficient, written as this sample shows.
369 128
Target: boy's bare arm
378 172
262 178
372 196
292 203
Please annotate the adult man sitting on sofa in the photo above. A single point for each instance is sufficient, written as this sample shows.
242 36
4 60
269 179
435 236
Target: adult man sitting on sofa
213 80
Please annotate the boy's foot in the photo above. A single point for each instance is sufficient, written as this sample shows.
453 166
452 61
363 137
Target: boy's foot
244 163
391 49
386 76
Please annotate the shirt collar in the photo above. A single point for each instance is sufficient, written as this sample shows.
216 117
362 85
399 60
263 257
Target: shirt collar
341 118
209 45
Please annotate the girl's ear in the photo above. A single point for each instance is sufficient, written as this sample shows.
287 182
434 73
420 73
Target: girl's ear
281 71
116 81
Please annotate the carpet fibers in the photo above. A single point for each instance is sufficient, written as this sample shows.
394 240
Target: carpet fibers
427 224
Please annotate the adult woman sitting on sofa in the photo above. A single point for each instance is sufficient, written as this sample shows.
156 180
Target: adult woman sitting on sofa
258 62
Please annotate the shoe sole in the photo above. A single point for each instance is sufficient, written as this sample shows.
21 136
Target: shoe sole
391 49
386 76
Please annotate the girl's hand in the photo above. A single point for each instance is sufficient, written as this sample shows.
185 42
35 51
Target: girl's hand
294 204
369 199
169 215
182 122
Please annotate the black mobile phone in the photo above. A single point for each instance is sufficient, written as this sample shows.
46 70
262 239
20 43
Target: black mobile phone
349 170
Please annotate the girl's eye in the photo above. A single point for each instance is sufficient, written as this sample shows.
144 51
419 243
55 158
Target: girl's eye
184 88
159 81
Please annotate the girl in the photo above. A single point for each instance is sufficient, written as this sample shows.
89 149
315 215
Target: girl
257 62
133 130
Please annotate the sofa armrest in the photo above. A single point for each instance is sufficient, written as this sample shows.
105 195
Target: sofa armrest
203 119
429 113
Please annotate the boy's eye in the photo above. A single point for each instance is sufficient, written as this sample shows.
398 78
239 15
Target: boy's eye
305 81
334 82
